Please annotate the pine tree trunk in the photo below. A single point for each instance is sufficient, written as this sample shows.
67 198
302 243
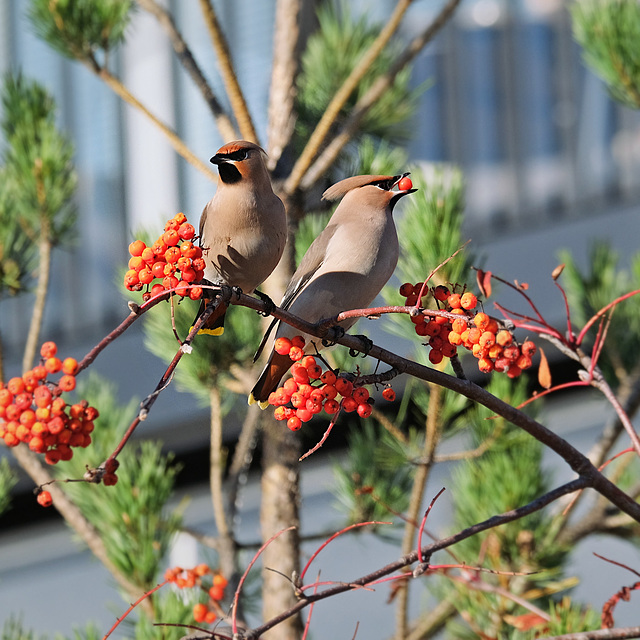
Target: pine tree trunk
279 510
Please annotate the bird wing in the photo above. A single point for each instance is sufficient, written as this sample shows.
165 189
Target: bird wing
312 260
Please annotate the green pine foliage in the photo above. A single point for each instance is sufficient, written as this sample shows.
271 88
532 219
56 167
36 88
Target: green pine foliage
38 178
331 53
609 31
79 29
8 480
132 516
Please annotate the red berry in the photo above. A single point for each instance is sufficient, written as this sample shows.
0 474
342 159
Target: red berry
48 350
441 293
389 394
364 409
405 184
294 423
44 499
406 289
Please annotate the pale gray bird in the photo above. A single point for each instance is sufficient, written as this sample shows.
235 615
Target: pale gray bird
345 267
243 228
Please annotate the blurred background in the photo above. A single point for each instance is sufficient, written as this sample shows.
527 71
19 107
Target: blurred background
549 160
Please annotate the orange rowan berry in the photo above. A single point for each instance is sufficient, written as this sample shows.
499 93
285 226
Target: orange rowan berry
187 249
53 364
131 279
137 247
179 218
37 445
70 366
198 264
524 362
504 338
136 263
459 325
58 405
186 231
15 386
329 391
349 404
211 617
44 499
493 325
360 394
514 371
344 387
454 338
294 423
6 397
67 383
298 341
157 289
48 349
200 611
474 335
148 255
282 346
182 288
145 275
298 400
11 440
171 238
495 351
528 348
404 184
172 254
328 377
23 401
219 581
169 269
364 409
195 293
296 353
485 365
468 301
481 320
28 418
315 371
305 389
487 339
39 372
331 406
454 301
389 394
170 282
290 386
280 413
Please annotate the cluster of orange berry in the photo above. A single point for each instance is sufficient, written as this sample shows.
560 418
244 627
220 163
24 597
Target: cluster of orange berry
32 411
189 578
494 346
310 390
172 258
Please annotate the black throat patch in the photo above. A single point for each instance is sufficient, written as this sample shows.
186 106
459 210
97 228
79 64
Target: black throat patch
228 173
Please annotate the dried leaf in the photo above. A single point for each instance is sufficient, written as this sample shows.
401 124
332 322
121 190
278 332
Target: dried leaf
544 372
484 282
555 274
526 621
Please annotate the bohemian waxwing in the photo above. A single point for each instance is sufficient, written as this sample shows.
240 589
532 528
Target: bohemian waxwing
345 267
243 228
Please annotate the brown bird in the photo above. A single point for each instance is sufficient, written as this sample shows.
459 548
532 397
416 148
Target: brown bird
243 228
345 267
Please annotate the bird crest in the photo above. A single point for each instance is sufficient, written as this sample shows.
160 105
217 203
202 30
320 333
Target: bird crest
339 189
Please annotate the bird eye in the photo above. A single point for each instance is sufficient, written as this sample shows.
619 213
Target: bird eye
238 156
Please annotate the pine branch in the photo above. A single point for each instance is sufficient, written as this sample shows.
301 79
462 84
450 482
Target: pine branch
323 128
31 464
236 96
42 288
185 56
122 92
305 180
283 75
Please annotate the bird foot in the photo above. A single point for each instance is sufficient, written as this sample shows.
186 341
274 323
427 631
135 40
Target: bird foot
368 345
334 333
270 305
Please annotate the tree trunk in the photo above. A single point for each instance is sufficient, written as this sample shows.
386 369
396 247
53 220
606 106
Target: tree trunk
279 510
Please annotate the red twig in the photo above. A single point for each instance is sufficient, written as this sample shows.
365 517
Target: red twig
325 435
132 607
308 622
236 596
330 539
424 521
600 313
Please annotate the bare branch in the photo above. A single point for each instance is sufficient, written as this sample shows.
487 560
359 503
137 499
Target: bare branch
313 173
236 97
223 122
339 100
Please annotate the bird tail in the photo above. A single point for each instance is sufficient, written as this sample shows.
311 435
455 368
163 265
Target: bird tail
214 326
269 379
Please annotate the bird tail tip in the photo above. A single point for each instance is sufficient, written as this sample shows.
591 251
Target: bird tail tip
252 400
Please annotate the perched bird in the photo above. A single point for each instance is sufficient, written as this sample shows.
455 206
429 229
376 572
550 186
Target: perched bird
243 228
345 267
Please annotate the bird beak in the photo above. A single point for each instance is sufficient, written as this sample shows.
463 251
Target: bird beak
401 192
218 159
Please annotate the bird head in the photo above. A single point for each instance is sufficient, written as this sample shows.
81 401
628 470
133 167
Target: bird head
374 188
240 160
